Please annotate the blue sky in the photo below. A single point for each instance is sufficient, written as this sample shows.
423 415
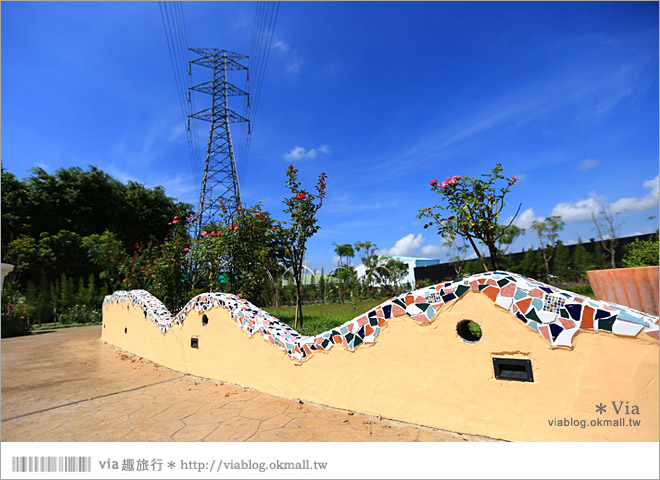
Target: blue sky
383 97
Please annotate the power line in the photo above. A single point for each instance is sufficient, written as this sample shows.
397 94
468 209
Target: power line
260 48
175 36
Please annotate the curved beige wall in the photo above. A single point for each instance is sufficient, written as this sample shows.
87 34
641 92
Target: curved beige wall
425 374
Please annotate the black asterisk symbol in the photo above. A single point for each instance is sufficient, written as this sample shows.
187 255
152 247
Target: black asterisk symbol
600 408
171 464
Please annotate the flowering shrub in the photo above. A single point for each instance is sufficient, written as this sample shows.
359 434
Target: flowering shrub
240 257
80 314
301 208
474 205
14 315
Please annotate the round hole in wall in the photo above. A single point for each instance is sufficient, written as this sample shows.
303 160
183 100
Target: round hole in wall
469 331
205 320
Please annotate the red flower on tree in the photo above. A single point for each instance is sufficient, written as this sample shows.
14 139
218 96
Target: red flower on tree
301 196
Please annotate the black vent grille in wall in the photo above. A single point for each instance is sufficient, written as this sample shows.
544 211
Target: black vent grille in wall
513 369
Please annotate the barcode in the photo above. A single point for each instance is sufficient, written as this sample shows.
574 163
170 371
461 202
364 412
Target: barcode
51 464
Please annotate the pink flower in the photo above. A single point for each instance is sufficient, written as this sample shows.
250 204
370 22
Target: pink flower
212 233
256 214
186 249
176 218
273 228
169 223
175 221
433 182
124 280
301 196
443 185
204 233
236 228
238 208
514 179
194 219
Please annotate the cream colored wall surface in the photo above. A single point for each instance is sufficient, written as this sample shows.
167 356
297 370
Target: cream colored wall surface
426 374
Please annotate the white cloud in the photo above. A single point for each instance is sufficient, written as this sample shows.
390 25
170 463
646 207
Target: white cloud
586 164
343 203
579 211
525 219
406 246
294 67
582 210
634 203
280 45
652 184
176 132
299 153
432 250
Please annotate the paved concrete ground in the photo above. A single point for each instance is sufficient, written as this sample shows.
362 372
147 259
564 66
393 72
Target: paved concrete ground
68 385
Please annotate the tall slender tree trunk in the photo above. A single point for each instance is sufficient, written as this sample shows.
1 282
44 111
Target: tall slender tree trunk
299 314
494 260
476 250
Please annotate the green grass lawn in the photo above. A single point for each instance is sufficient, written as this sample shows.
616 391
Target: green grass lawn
52 326
321 317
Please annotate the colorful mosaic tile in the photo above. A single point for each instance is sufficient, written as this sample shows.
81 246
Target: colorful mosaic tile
552 303
553 313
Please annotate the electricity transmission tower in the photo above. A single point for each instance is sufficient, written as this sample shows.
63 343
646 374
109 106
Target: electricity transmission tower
219 180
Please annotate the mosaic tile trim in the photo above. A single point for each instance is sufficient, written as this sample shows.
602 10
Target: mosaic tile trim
554 313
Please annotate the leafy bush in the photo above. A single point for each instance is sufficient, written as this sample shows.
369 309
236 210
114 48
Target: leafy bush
14 320
580 289
641 253
80 314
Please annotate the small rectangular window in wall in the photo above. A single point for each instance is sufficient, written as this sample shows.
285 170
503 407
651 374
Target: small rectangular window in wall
194 342
513 369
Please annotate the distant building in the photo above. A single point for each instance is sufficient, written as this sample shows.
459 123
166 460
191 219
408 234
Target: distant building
412 262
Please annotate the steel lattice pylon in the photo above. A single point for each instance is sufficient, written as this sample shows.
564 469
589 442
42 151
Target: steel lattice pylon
219 181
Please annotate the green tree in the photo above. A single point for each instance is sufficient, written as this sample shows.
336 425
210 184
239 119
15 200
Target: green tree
609 231
106 252
393 272
345 252
348 278
322 287
641 253
84 202
562 264
247 250
302 207
531 264
582 261
475 206
547 232
507 235
15 204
